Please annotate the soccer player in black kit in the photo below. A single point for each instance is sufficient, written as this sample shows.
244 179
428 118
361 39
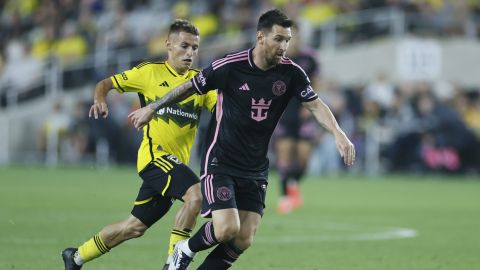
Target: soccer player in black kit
254 87
296 133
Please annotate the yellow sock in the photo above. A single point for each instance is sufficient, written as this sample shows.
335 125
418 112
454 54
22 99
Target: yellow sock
92 249
177 235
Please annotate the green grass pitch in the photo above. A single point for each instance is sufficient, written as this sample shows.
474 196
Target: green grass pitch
347 223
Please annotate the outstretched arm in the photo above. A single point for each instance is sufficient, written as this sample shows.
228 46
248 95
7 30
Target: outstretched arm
99 105
325 117
142 116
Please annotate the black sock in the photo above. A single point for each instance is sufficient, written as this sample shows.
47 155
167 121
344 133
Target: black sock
283 173
203 239
298 174
222 257
283 187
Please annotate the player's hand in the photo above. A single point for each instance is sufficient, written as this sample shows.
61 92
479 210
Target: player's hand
98 108
346 148
141 117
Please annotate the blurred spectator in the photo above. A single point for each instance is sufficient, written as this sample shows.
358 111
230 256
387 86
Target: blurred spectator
79 134
467 103
71 48
319 12
441 141
128 138
380 91
43 41
21 70
54 133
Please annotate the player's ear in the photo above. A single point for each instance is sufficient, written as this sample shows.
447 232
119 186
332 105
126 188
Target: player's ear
168 44
260 37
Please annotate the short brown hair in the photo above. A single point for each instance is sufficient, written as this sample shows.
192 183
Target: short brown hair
271 18
181 25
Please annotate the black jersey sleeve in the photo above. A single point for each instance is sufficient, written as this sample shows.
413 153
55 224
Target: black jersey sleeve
301 83
207 79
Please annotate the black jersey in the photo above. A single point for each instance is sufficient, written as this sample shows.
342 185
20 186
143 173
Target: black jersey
250 103
306 60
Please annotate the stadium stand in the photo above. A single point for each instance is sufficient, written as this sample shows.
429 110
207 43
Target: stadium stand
410 119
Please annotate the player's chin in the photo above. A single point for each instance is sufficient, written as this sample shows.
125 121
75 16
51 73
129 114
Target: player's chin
187 64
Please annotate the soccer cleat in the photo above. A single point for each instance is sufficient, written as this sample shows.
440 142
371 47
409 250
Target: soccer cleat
293 192
167 263
182 256
67 255
285 206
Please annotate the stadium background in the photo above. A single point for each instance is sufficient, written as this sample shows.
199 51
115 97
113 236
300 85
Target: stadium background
382 63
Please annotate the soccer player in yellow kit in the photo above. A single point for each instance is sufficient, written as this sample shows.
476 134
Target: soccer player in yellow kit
164 151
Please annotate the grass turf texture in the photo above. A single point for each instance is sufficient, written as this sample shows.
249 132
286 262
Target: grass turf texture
44 211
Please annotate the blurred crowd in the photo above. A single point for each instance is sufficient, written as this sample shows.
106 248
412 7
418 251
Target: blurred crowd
68 135
68 31
419 126
424 126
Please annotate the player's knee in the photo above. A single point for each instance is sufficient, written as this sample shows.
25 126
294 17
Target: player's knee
244 238
243 242
194 204
226 232
193 199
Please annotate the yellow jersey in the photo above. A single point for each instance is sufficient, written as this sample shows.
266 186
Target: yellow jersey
172 130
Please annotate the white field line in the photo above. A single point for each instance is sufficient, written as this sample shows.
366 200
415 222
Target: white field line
343 232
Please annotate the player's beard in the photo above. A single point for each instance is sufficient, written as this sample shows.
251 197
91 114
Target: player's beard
272 60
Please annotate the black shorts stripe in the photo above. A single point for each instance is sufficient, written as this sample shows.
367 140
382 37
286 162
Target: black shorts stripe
166 162
156 181
161 166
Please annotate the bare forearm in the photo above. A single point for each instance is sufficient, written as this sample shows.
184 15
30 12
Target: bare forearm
101 90
324 115
178 94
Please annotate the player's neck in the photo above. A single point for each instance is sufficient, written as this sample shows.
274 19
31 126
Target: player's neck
177 70
259 59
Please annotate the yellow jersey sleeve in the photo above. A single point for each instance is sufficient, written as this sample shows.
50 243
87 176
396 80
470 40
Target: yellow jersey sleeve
210 100
132 80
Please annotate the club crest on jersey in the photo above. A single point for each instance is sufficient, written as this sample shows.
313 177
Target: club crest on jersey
224 193
260 109
279 88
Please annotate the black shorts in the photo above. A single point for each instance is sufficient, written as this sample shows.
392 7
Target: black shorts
164 180
222 191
